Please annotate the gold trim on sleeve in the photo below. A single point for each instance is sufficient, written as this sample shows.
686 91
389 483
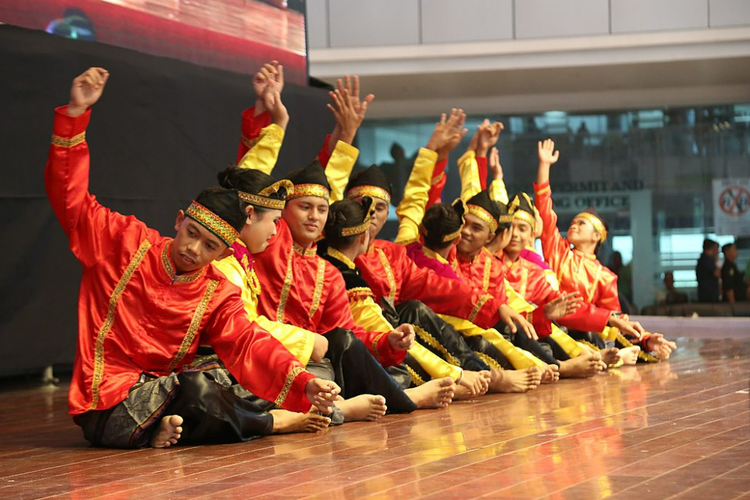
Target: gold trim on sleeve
478 307
388 274
286 287
319 278
288 385
65 142
98 374
375 351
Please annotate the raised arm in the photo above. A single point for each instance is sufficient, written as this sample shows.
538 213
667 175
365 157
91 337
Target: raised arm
498 191
554 246
485 137
446 135
351 85
91 228
437 183
349 116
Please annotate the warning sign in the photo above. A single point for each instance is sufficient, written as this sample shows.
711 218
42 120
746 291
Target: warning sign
732 206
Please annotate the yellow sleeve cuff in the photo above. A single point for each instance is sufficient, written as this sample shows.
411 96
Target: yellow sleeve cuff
340 167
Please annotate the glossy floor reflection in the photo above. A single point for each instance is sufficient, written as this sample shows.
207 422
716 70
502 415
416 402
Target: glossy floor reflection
674 430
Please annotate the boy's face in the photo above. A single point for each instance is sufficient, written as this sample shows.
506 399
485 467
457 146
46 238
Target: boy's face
475 234
522 236
581 232
194 246
306 217
260 229
379 217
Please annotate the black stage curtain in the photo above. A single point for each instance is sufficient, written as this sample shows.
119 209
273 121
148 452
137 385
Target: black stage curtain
159 134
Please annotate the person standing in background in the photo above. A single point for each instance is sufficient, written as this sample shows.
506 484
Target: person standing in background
707 272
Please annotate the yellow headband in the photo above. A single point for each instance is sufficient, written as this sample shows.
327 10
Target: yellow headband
371 191
596 222
452 236
301 190
483 214
525 216
212 222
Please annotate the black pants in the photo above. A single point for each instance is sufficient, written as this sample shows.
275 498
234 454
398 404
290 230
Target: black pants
212 412
522 341
358 372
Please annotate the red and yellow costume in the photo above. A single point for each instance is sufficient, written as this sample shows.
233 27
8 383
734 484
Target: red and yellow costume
136 316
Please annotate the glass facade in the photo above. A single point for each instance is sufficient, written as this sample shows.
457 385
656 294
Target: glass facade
649 168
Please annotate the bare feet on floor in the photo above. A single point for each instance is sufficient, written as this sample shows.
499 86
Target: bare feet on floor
472 384
611 356
288 422
168 432
437 393
551 374
629 355
586 364
362 407
515 380
661 347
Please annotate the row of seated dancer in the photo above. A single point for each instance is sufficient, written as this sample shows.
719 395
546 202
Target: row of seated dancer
275 308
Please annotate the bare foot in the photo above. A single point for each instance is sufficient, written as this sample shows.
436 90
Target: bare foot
288 422
168 432
477 383
586 364
551 374
515 380
661 347
629 355
362 407
437 393
610 356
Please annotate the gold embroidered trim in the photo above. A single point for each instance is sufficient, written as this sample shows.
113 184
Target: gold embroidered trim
318 287
64 142
388 274
253 283
478 307
107 325
341 257
250 143
525 216
543 190
484 215
305 252
195 323
596 222
288 385
301 190
415 378
261 201
488 360
433 342
285 288
642 355
375 351
359 293
371 191
212 222
353 231
167 263
487 272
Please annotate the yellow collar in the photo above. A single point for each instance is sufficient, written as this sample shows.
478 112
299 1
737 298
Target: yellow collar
340 256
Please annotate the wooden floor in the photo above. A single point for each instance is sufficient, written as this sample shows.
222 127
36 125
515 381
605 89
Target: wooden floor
674 430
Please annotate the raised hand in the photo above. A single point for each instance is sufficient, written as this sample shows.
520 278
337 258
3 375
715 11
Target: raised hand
494 165
269 78
547 153
488 136
350 85
402 338
86 90
447 133
274 105
562 306
348 116
322 394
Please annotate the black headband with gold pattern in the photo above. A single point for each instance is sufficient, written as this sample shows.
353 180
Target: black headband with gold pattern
262 200
212 222
360 228
484 215
301 190
371 191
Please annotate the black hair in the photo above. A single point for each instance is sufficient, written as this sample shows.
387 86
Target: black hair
727 247
249 181
708 244
225 203
439 221
342 214
502 210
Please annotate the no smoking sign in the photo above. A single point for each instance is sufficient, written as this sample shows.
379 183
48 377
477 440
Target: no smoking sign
734 200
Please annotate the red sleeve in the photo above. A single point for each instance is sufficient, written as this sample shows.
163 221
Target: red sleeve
554 246
251 127
608 296
258 361
587 318
324 155
482 166
91 228
338 314
437 184
441 294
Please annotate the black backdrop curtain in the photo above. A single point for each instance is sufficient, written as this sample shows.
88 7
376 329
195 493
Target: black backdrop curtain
159 134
